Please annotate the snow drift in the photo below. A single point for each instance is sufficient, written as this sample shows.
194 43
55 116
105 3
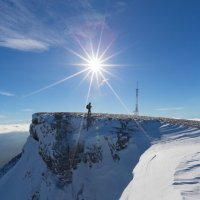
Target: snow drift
170 168
68 156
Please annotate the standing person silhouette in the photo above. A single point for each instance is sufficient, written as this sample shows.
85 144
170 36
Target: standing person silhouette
89 106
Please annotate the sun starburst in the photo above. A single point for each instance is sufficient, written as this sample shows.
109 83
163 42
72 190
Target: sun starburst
95 65
94 61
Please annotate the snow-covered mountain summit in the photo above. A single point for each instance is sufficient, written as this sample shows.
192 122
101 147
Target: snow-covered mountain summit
68 156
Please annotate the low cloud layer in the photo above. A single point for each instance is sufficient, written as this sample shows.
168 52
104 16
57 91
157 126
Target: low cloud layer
8 128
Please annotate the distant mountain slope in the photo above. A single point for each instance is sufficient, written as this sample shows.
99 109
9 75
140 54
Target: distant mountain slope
68 156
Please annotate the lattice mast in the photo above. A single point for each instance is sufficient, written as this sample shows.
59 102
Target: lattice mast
136 112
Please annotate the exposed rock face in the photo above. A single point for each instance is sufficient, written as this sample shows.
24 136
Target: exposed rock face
62 145
57 146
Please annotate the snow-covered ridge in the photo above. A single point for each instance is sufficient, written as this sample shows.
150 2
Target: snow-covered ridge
68 156
184 122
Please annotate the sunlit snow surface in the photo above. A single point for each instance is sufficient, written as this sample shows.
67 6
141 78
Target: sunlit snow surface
168 170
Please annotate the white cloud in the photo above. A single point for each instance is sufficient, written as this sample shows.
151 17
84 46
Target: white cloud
7 128
170 109
8 94
27 110
29 25
24 44
36 26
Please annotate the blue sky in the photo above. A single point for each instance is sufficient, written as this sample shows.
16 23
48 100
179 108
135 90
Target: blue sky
158 43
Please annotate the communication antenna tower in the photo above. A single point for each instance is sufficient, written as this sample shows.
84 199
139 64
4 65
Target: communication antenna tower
136 112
